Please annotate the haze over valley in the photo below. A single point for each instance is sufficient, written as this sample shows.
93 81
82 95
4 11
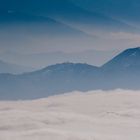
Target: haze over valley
69 69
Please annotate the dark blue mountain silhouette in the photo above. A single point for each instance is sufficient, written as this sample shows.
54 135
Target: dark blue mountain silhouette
121 72
130 58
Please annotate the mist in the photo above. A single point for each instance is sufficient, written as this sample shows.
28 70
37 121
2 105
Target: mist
77 115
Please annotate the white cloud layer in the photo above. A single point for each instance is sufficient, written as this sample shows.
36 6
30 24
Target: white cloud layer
95 115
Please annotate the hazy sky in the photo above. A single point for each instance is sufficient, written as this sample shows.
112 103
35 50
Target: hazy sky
52 25
71 26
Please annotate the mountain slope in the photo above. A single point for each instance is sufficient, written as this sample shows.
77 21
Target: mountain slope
127 59
121 72
52 80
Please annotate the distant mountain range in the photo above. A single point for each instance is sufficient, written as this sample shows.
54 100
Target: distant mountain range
121 72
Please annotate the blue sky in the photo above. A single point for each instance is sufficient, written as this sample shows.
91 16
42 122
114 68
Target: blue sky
71 26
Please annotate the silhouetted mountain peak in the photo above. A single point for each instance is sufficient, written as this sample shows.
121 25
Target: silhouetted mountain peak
128 58
67 67
121 72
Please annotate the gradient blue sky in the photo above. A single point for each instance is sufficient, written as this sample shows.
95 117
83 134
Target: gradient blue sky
72 26
96 24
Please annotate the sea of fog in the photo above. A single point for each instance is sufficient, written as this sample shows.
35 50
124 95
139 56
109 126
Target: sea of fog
95 115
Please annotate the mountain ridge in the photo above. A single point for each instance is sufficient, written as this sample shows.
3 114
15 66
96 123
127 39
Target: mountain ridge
127 58
67 77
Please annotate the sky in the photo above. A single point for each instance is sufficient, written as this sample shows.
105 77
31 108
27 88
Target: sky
68 26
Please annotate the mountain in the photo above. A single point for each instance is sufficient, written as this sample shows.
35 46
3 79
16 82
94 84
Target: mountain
129 58
55 79
13 68
121 72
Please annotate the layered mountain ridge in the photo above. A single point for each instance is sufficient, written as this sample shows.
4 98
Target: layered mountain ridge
120 72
